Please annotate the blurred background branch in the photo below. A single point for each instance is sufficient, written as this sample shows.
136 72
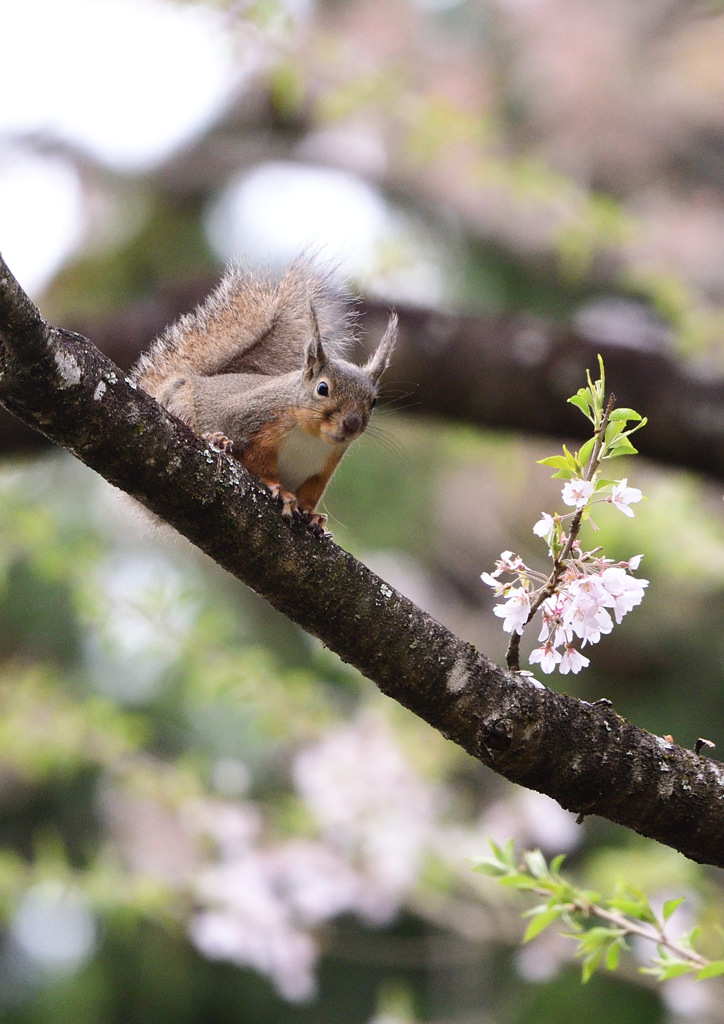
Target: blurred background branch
530 182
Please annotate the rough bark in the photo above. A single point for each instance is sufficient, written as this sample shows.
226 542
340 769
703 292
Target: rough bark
585 756
490 371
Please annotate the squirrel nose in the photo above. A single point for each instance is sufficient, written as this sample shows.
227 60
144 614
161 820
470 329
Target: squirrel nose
352 422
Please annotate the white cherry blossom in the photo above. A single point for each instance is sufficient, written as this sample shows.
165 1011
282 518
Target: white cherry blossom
587 619
625 592
509 562
622 496
548 657
632 564
577 492
572 661
545 526
515 611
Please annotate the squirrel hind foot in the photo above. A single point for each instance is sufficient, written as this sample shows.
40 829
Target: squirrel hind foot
219 441
316 523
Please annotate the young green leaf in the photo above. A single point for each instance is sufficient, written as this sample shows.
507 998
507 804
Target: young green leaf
557 863
571 460
664 970
585 452
582 401
632 902
590 964
556 461
622 446
625 415
612 432
541 918
671 905
712 970
614 952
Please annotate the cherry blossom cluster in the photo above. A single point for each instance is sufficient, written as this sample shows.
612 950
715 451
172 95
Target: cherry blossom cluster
579 597
588 588
259 901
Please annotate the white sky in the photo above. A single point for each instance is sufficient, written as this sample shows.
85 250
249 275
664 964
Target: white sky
280 208
127 80
41 216
131 80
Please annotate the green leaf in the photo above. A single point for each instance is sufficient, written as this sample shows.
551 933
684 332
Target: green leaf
670 969
591 963
585 452
556 863
634 903
612 957
625 415
612 432
557 461
503 862
582 402
571 459
602 381
522 882
490 867
621 447
712 970
670 906
541 919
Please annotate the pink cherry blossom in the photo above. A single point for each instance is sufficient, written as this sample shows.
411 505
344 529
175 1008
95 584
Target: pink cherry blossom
553 612
577 492
623 496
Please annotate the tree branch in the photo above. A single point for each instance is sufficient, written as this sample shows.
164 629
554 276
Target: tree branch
489 371
585 756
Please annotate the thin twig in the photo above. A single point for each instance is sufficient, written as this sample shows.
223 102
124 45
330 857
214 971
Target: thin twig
650 932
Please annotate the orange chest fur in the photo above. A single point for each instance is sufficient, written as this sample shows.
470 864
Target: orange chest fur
291 455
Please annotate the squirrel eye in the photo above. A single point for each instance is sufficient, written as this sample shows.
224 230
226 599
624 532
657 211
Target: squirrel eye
374 403
323 388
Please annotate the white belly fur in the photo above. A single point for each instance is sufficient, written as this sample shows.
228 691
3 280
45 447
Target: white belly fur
300 457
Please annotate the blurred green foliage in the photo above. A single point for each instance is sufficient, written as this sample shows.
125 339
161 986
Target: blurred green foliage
237 681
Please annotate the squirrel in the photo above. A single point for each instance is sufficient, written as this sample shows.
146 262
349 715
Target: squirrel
258 370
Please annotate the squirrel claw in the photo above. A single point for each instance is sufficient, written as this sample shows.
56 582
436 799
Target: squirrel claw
290 508
316 523
219 441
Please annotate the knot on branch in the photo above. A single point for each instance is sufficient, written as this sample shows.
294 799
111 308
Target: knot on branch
498 735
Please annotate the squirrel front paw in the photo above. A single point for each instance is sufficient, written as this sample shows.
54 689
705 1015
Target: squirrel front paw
290 506
219 441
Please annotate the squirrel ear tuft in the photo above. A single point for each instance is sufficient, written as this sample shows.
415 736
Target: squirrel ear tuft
380 359
316 356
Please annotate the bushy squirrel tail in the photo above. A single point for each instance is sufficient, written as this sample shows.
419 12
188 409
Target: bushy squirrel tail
251 323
